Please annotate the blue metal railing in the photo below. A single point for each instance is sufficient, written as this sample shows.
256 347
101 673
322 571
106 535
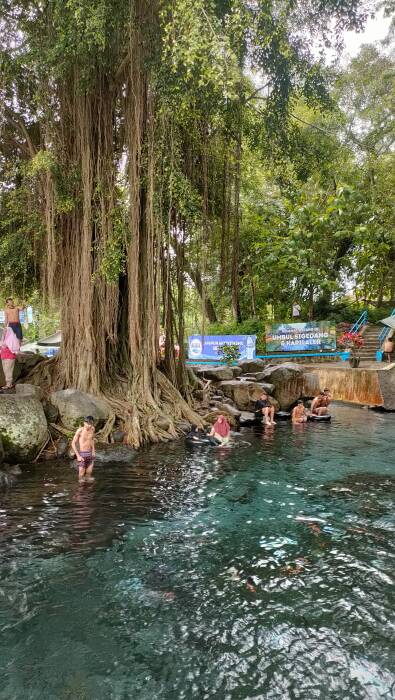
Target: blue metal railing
362 321
384 332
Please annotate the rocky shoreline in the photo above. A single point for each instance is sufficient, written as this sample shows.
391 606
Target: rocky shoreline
35 427
234 390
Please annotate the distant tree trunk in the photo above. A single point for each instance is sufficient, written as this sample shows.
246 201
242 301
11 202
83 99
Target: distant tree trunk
253 296
392 276
236 231
311 302
196 277
226 205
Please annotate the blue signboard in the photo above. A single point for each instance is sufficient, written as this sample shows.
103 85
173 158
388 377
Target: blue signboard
205 347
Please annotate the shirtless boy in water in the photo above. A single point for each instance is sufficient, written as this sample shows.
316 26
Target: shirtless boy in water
319 407
299 414
85 452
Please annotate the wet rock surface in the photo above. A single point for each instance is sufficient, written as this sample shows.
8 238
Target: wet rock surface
288 380
244 394
115 454
23 427
74 405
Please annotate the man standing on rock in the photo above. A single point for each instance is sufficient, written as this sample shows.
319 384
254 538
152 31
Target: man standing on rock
11 317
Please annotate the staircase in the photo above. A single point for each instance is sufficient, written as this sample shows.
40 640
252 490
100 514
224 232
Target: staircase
370 343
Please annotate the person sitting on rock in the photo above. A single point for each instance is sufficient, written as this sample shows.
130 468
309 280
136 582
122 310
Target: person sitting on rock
319 407
264 408
85 451
221 430
299 413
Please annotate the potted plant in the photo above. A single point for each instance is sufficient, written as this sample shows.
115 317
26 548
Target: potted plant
353 341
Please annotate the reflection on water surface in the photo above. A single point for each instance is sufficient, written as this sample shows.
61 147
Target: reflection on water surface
135 586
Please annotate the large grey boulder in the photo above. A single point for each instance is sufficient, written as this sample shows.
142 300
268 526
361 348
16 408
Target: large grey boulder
227 409
23 427
74 405
218 374
29 390
288 379
248 366
311 385
244 394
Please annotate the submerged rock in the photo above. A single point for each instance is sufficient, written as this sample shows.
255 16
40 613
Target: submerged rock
23 427
62 447
115 454
117 436
74 405
247 418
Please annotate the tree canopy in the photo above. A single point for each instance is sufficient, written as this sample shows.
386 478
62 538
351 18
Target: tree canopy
162 161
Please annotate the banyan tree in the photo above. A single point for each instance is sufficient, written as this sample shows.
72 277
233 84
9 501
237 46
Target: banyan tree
128 121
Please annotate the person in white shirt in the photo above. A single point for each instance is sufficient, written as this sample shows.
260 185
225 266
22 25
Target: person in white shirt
296 310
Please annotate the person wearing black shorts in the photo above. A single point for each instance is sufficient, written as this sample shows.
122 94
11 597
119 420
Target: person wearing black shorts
264 408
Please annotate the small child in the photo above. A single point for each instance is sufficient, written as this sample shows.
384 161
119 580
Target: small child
85 452
299 414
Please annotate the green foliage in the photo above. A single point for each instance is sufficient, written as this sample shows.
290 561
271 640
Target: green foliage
229 353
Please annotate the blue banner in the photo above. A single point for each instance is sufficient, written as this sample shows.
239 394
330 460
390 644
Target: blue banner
205 347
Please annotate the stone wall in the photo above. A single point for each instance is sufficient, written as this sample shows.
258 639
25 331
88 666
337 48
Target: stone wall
369 387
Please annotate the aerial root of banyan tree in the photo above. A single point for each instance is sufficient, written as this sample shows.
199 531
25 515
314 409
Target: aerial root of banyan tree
144 419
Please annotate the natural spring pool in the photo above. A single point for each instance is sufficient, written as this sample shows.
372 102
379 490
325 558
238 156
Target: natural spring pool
126 589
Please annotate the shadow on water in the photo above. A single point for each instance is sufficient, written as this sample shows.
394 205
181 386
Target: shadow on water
135 586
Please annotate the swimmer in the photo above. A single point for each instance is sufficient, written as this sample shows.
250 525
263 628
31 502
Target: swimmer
299 414
221 430
85 451
250 583
319 407
314 528
297 569
264 408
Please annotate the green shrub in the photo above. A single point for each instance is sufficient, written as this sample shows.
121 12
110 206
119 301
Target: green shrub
229 353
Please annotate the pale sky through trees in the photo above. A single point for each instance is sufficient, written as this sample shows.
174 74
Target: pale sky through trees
376 29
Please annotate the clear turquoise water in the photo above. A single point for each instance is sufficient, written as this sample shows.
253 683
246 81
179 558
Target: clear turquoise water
122 589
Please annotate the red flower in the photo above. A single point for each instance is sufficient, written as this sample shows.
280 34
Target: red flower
351 339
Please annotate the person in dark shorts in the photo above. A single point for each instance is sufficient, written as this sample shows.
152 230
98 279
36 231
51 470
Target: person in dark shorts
264 408
12 319
83 446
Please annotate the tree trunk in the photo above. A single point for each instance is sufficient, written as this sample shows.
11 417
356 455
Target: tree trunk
193 272
236 231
